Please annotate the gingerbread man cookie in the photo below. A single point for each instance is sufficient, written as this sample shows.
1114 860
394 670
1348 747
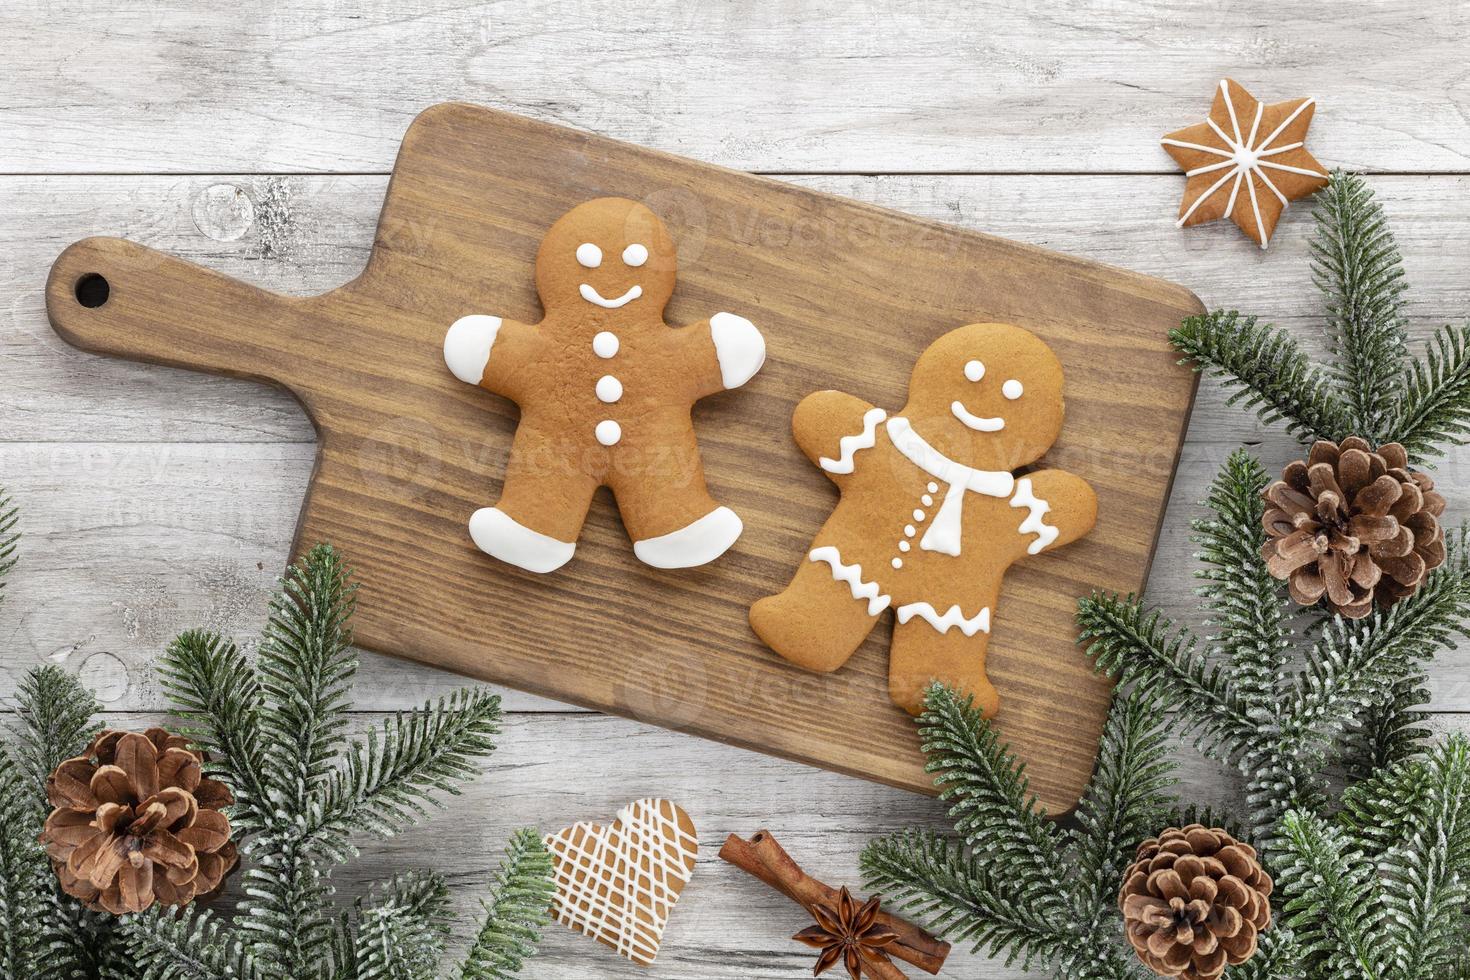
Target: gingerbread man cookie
930 515
605 389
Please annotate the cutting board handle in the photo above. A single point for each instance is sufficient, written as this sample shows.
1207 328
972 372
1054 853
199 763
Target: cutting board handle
113 296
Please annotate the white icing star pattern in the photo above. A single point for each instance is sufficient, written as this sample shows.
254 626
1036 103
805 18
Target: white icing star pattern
1245 157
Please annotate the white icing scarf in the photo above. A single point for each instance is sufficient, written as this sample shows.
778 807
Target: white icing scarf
945 530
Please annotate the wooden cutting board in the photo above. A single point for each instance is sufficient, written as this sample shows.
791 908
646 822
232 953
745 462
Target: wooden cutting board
847 296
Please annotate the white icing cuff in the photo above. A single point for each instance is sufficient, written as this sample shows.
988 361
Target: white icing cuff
694 544
467 346
499 535
739 347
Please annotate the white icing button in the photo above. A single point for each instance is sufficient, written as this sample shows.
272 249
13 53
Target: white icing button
974 370
589 255
898 563
903 546
908 531
919 515
609 389
933 488
1012 389
927 500
605 344
635 255
609 432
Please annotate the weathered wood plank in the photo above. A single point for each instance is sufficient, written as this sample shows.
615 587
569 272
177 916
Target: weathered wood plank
307 234
916 85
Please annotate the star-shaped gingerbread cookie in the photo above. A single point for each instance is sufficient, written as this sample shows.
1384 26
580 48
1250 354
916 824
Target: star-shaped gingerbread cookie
1246 161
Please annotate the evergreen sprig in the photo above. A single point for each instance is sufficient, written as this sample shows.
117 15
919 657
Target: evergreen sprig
1356 265
1377 388
1381 890
1013 883
9 538
522 891
1267 370
276 730
1434 410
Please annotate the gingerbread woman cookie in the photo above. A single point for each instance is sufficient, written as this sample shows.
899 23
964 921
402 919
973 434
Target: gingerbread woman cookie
930 515
605 389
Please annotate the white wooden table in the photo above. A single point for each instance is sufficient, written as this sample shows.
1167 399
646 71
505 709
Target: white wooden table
257 138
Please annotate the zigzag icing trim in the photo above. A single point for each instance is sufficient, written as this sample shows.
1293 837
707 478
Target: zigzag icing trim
1033 524
978 623
848 446
852 575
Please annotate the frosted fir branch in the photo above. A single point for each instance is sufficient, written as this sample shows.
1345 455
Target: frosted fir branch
1268 370
25 879
1424 884
1331 889
1433 410
1280 778
188 944
390 776
968 898
1391 729
521 891
55 721
1353 662
1241 598
306 668
1356 265
216 689
1378 811
9 538
1123 801
1278 957
285 919
1147 649
991 803
400 935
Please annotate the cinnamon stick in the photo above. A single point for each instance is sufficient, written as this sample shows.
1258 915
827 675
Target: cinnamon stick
761 857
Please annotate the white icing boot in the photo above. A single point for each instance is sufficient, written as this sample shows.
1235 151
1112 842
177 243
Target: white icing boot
739 347
694 544
499 535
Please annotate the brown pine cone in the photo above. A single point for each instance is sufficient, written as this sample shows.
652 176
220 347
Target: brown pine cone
136 821
1194 902
1353 525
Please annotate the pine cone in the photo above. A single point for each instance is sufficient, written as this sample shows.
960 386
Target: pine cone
1353 525
1194 902
136 822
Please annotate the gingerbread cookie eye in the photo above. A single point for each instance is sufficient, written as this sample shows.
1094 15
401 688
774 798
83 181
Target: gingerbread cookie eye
589 255
635 255
1012 389
974 370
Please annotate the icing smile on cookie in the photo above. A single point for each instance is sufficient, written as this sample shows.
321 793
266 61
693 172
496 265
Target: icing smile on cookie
976 422
593 296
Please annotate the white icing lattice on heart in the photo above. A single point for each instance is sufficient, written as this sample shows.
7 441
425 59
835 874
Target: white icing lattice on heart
619 884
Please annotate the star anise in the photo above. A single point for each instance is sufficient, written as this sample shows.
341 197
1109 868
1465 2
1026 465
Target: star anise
850 935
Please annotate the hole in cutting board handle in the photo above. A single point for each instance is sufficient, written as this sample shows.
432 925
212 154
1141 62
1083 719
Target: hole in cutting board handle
92 290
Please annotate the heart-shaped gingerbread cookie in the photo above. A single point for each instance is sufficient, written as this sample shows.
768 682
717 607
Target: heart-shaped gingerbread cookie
619 884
